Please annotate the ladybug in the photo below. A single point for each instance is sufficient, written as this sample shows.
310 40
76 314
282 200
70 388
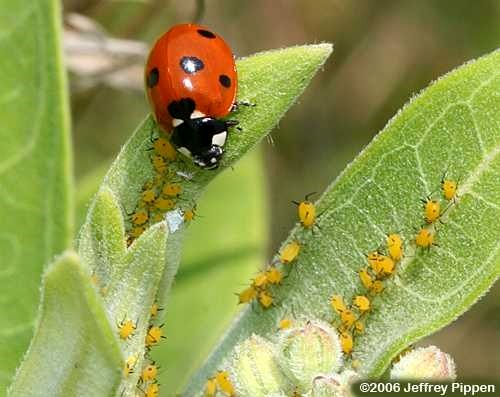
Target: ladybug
191 83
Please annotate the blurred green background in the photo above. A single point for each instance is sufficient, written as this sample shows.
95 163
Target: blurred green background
385 51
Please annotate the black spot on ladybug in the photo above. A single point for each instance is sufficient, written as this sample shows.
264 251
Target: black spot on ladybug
153 77
191 64
225 80
182 108
206 33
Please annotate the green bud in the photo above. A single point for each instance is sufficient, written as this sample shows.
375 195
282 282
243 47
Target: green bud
335 385
309 351
255 370
425 363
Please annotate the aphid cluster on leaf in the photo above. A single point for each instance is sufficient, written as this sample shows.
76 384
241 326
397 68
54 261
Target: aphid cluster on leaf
219 382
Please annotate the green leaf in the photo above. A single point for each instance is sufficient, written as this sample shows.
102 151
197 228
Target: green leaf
130 278
35 171
74 351
452 126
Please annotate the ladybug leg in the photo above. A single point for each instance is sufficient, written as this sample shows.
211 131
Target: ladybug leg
233 123
237 104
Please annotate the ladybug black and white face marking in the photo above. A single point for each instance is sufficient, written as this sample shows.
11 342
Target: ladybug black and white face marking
197 136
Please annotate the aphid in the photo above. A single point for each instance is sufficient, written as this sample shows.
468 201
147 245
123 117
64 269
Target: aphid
172 190
366 278
449 188
306 211
247 295
149 372
377 287
432 210
154 310
260 280
359 327
373 260
140 217
126 329
348 318
346 342
135 232
164 204
362 303
285 323
159 164
148 196
211 387
395 246
274 275
158 217
386 265
154 335
129 366
356 364
164 148
265 299
290 252
189 214
338 304
424 238
152 390
224 383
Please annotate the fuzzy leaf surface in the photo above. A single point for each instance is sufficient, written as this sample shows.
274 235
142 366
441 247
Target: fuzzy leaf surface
74 352
453 126
35 172
131 278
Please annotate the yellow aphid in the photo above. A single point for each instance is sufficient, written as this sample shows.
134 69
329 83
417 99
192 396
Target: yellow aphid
211 387
449 188
172 189
247 295
307 213
126 329
149 372
189 215
159 164
359 327
148 196
137 231
94 279
432 210
377 287
164 204
165 149
338 304
158 217
395 246
152 390
346 342
355 364
362 303
261 280
224 383
265 299
154 310
366 278
154 335
424 238
274 275
140 217
386 264
348 318
290 252
372 258
129 365
285 323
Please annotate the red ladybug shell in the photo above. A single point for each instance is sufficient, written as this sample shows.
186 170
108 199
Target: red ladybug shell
191 61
